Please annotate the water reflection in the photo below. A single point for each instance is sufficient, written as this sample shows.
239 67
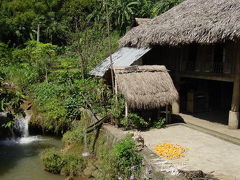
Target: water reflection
19 159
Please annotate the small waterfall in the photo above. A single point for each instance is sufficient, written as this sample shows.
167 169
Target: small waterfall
85 153
21 125
12 133
20 133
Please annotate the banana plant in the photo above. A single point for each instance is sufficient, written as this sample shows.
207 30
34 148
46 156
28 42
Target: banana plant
122 12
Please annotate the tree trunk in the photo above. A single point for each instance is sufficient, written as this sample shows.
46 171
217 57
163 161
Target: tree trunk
38 33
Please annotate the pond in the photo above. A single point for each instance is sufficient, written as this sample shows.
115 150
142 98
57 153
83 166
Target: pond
19 158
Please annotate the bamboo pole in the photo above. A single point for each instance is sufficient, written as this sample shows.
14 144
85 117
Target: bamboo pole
110 45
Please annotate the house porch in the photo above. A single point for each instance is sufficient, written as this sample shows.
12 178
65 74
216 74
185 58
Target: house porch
217 64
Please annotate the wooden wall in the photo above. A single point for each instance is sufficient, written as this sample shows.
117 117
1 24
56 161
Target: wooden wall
196 58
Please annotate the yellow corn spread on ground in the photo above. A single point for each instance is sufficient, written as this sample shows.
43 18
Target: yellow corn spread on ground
170 151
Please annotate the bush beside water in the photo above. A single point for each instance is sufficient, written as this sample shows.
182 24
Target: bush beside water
111 160
57 163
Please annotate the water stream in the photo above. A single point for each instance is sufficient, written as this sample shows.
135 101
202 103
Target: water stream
19 156
85 152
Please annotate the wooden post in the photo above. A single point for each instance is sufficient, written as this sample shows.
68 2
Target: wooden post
176 104
167 117
233 121
116 90
110 45
116 99
236 95
126 109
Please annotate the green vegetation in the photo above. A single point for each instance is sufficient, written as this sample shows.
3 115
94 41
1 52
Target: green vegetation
127 161
160 123
134 121
59 20
73 40
52 160
126 157
10 101
69 162
57 163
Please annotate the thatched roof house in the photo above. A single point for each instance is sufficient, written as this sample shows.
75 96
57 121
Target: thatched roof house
145 87
193 21
199 41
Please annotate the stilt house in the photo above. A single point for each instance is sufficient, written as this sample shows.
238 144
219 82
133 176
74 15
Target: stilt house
199 42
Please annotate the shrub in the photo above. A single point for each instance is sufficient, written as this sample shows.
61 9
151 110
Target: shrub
55 162
74 136
123 161
54 116
126 156
134 121
117 107
50 105
45 91
5 56
63 76
21 76
52 160
73 165
159 124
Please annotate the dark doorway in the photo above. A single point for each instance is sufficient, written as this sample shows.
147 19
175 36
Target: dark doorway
206 99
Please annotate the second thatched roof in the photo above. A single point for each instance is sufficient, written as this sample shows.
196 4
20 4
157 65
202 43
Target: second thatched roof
192 21
145 87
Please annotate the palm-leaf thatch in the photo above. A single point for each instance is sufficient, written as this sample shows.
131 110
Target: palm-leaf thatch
141 20
145 87
192 21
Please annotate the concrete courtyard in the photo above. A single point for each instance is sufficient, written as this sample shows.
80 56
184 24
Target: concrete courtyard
206 152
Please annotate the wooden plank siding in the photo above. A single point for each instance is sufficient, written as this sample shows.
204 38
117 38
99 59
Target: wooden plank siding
211 62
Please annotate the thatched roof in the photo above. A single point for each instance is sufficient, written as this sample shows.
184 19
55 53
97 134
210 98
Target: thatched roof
192 21
140 21
145 87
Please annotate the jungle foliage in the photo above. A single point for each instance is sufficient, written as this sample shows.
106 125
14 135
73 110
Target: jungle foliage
74 38
59 19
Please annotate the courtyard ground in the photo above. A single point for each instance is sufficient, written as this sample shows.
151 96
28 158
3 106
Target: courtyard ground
205 151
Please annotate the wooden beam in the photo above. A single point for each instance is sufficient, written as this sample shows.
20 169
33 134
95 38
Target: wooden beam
167 114
209 76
